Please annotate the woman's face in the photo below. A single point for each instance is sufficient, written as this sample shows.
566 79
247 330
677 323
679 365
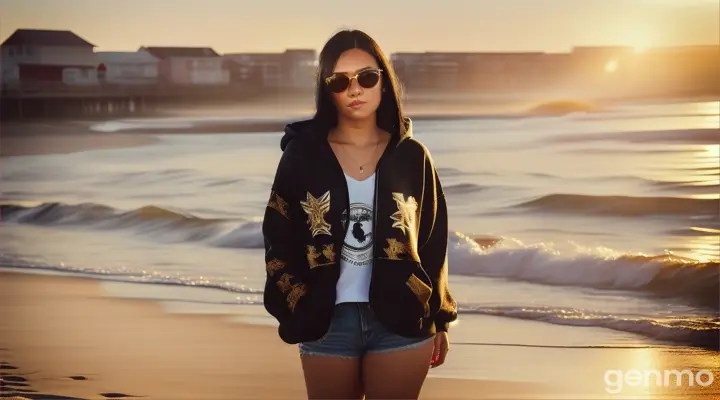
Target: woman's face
361 97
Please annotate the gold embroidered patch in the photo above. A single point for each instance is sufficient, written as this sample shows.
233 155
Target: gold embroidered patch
329 253
284 283
295 294
312 256
406 216
274 265
395 248
421 290
316 208
278 204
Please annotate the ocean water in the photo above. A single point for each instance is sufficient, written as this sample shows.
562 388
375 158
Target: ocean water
607 220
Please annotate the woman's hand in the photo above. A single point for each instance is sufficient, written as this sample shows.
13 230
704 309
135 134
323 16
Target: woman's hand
442 345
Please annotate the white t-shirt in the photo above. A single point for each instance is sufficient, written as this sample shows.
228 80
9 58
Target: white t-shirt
356 256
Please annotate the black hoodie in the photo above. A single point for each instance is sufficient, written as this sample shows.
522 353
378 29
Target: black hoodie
305 226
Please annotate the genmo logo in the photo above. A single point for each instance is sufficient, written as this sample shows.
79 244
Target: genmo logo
616 380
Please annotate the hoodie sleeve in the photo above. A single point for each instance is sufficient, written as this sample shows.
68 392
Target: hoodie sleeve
282 288
433 252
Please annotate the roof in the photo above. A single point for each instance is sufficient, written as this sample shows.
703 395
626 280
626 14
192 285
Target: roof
43 37
166 52
126 57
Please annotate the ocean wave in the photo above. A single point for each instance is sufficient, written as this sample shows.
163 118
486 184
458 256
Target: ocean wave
697 331
563 107
646 115
691 330
448 172
463 188
668 276
631 151
696 231
664 275
161 224
693 186
128 276
623 206
689 136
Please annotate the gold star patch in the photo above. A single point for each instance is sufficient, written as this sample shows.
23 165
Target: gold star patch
316 208
312 256
329 252
394 249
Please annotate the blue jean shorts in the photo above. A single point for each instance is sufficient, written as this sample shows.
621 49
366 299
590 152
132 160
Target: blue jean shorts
354 331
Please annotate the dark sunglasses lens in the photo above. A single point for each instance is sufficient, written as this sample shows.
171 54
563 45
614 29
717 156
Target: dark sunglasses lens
338 83
368 79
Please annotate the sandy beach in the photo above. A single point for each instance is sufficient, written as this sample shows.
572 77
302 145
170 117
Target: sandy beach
62 336
65 338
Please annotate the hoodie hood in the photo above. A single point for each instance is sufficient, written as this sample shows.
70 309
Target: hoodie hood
309 129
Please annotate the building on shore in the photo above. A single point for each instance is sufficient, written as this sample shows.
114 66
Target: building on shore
612 72
467 72
35 56
127 67
293 69
189 65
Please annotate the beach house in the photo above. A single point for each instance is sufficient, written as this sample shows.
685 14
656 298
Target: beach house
189 65
127 67
38 56
291 69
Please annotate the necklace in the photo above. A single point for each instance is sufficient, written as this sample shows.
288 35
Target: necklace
362 166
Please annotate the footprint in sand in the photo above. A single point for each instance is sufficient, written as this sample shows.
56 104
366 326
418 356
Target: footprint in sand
16 387
117 395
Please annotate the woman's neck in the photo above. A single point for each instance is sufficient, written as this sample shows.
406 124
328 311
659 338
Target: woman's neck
359 133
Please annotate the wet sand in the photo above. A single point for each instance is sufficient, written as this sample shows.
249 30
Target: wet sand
63 336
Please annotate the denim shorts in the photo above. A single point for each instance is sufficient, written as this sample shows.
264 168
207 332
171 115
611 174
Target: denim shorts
354 331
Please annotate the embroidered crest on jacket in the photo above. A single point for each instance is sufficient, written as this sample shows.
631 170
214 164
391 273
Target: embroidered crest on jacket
312 256
421 290
274 265
284 283
394 249
328 252
295 294
278 204
316 208
405 217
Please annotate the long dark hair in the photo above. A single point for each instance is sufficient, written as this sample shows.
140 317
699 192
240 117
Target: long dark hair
389 114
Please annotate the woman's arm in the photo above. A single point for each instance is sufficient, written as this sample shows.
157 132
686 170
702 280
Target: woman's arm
433 252
282 286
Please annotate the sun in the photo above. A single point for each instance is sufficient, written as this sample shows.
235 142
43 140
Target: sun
611 66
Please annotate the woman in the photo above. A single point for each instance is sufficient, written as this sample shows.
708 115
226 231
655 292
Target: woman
356 235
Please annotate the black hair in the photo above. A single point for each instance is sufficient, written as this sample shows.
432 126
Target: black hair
389 114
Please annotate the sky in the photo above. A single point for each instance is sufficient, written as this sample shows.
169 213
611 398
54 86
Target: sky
411 25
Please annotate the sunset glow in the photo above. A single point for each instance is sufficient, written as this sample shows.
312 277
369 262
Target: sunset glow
232 26
611 66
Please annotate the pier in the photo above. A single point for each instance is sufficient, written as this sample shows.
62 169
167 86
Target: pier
58 100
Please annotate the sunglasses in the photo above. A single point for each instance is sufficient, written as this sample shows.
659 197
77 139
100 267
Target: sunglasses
338 82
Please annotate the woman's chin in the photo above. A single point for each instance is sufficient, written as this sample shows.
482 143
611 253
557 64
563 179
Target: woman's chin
360 114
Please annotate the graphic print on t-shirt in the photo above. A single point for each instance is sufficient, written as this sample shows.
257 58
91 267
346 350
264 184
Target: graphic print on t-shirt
357 249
